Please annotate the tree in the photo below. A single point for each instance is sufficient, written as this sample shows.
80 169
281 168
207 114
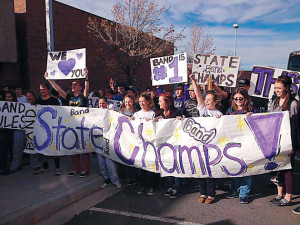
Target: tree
133 32
201 41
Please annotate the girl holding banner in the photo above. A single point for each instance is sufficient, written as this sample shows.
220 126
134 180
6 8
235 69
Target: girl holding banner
207 108
168 110
149 181
128 109
108 167
241 104
285 101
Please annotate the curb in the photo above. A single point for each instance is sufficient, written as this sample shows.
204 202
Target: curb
47 207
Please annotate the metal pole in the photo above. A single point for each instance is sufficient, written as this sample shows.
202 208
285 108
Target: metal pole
49 25
235 42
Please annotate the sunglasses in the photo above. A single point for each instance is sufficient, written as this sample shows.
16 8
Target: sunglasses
238 99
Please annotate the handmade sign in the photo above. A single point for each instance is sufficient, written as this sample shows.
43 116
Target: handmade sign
169 69
194 147
222 69
14 114
263 80
66 64
111 104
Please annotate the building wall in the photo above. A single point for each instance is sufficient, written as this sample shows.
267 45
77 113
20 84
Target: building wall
8 45
70 32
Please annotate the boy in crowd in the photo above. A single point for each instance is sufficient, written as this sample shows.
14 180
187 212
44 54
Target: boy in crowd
79 99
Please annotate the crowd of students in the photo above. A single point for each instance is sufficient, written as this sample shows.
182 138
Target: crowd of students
156 104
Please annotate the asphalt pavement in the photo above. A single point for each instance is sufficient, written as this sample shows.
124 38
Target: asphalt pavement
128 208
43 199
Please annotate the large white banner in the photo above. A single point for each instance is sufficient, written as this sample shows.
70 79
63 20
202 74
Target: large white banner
194 147
263 79
223 69
169 69
66 64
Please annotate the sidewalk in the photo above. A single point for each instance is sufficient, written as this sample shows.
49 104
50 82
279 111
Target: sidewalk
26 198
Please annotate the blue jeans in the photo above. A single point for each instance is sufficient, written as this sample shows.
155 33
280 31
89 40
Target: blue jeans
35 161
19 146
174 182
242 185
108 169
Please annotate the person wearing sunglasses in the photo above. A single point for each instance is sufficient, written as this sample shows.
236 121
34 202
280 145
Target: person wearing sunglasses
241 103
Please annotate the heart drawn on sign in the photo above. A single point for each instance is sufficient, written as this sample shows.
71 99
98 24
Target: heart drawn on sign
52 73
65 66
79 55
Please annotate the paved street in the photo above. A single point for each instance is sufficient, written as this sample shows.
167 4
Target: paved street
125 207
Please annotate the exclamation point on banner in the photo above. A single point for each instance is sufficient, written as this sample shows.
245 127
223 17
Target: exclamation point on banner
266 129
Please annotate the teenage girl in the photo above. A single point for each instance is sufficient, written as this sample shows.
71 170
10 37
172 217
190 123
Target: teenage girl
285 101
108 167
128 109
241 103
149 181
207 108
168 110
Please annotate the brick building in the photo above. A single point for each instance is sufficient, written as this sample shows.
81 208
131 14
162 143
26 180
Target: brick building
70 32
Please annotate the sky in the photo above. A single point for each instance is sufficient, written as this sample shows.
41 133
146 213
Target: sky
268 29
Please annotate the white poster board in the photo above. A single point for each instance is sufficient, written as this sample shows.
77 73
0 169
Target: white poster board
169 69
263 79
223 69
111 104
66 64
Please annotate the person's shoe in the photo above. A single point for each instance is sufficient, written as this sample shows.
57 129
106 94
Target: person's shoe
231 195
106 184
209 200
72 174
175 193
83 174
168 192
36 170
151 191
244 200
296 210
132 182
142 191
282 202
119 186
202 198
58 172
277 198
274 180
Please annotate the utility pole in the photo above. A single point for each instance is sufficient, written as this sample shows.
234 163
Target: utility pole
49 25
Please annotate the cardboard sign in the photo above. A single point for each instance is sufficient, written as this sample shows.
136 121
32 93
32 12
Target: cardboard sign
169 69
263 80
111 104
66 64
14 115
223 69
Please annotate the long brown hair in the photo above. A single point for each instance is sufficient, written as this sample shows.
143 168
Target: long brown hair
123 107
287 82
168 98
247 107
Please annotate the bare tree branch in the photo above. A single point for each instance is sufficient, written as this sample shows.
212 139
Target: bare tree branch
135 32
